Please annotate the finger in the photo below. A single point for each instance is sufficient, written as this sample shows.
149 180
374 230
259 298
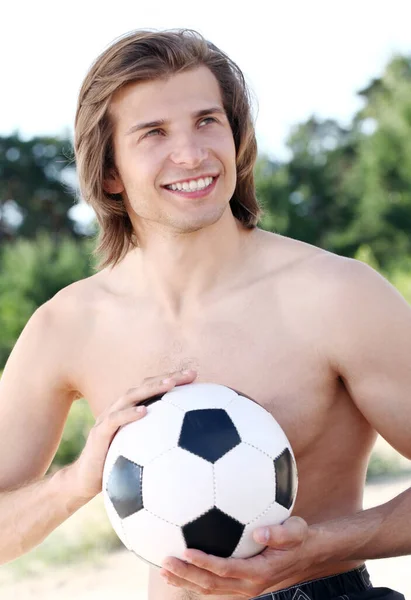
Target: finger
172 579
102 433
253 569
152 387
116 419
292 532
182 375
207 581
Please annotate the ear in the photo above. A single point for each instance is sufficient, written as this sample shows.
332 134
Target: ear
112 183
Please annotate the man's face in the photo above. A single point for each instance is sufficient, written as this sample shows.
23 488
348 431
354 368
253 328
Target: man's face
173 132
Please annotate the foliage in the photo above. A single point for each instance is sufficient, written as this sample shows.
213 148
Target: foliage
383 464
31 272
344 188
76 430
35 191
383 215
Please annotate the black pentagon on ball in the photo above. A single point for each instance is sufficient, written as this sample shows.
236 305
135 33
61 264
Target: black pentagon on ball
124 487
151 399
285 479
214 533
209 433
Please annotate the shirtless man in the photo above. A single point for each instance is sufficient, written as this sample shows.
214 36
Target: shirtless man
188 282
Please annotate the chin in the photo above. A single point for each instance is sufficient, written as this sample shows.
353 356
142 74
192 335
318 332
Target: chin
195 223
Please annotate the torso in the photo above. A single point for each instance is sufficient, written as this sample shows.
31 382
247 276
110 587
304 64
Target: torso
267 339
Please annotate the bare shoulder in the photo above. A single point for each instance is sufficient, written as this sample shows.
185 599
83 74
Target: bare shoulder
79 294
73 306
323 268
282 252
350 286
58 315
295 264
57 330
337 286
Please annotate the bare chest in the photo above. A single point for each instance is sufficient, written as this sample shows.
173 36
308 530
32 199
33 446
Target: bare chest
267 361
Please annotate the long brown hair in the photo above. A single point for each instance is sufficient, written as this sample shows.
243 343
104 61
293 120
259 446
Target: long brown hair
142 56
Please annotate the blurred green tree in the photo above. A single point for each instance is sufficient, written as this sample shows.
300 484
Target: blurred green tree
382 172
344 188
37 181
31 272
305 198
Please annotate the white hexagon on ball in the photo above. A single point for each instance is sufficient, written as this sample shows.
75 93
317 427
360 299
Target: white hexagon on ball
178 486
240 491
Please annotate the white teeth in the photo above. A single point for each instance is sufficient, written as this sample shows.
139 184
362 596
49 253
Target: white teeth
192 186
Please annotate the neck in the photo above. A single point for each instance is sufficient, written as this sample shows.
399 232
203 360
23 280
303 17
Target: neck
179 272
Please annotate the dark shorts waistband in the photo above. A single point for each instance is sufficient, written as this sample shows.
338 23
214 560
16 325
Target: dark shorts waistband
351 585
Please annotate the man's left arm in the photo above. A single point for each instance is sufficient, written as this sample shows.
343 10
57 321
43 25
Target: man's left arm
370 348
369 345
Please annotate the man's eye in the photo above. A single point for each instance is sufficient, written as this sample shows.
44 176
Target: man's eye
208 119
152 132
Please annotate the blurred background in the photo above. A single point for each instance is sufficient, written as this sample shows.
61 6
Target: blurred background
331 83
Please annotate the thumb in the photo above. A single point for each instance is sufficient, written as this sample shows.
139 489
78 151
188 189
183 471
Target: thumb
292 532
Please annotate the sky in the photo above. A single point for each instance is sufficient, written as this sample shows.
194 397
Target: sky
300 58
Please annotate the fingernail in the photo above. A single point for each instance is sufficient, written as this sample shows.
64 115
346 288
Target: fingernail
186 372
141 409
167 380
262 535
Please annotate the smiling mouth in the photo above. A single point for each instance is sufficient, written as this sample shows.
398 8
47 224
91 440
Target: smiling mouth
194 185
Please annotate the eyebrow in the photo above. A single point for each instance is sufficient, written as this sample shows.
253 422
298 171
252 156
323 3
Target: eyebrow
162 122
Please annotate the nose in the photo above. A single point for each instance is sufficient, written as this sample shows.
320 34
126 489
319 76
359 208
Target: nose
188 151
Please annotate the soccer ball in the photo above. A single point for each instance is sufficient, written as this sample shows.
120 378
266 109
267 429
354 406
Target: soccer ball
203 469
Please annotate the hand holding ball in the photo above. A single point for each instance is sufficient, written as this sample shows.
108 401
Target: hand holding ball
203 469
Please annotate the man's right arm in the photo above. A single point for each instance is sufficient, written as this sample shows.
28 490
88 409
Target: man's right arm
31 512
35 397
